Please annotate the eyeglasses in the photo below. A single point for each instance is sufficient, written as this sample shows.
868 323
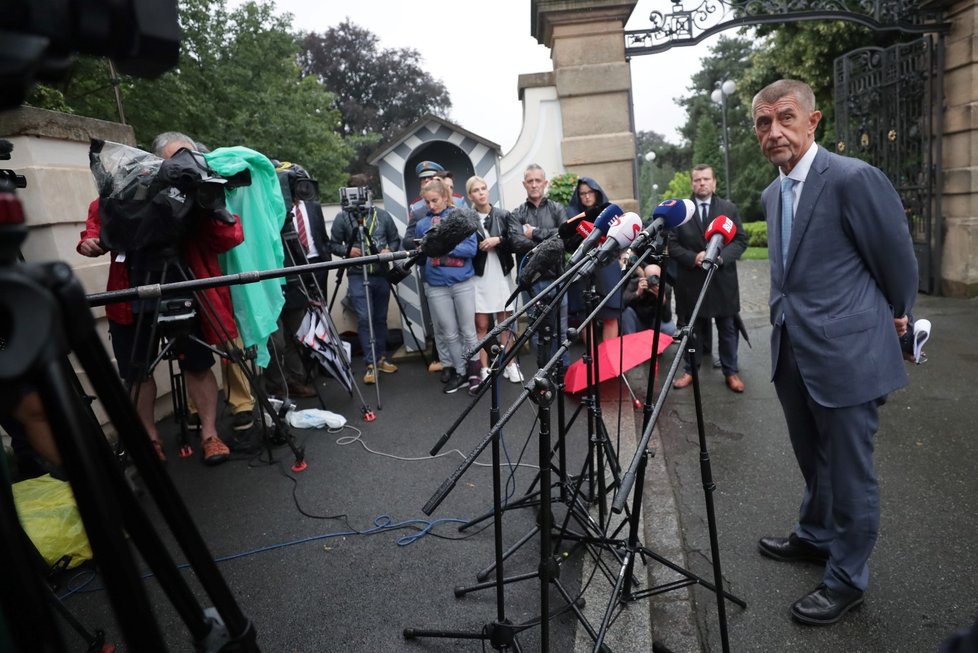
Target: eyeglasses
586 192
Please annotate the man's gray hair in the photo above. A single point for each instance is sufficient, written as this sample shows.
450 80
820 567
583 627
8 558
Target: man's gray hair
783 87
164 139
532 167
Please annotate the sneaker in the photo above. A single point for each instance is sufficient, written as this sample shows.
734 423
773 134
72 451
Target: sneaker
193 422
386 367
436 366
215 451
455 383
371 376
484 373
513 373
446 375
242 421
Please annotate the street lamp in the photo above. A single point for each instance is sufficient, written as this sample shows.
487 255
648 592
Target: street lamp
650 157
719 96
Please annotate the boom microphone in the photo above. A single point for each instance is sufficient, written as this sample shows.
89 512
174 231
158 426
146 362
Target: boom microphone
445 236
601 225
719 234
669 214
542 262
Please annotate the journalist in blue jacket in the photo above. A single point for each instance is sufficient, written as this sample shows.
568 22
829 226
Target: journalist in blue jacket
843 278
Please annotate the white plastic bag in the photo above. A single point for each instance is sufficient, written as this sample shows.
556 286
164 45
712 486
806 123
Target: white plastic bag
314 418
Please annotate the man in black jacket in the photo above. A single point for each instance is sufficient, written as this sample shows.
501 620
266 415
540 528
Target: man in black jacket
687 246
379 235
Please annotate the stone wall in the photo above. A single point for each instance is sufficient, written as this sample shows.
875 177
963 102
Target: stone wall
959 265
593 83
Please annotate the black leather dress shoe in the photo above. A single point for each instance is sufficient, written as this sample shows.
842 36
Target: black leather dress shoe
791 549
823 606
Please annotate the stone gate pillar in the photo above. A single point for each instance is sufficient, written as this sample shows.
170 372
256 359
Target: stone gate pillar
959 261
587 46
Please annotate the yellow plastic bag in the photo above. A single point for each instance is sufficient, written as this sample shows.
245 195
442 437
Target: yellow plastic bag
47 511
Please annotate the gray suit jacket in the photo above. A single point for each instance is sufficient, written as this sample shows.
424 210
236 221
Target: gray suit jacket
851 268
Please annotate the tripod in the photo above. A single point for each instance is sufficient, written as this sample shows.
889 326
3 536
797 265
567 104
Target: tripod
281 433
367 246
36 300
635 475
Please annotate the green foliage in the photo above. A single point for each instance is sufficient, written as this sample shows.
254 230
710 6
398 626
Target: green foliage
756 233
754 254
562 186
681 185
377 91
237 83
657 172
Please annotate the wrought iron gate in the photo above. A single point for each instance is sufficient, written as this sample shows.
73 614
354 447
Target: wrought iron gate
887 112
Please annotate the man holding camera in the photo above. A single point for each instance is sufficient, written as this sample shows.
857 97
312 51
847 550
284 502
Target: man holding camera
130 324
362 229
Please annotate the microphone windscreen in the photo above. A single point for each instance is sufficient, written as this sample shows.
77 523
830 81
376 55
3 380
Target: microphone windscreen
624 228
724 226
674 212
607 214
544 261
445 236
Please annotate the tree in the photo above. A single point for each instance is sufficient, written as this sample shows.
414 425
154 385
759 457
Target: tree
667 160
237 83
377 92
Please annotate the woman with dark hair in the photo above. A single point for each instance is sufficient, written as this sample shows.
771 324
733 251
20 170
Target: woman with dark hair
588 194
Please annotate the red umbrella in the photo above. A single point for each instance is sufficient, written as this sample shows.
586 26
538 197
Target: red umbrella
615 356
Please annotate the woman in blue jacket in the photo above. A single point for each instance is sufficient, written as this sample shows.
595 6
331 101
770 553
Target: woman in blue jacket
449 285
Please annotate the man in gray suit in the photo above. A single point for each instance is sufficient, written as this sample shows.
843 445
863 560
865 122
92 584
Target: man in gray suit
843 278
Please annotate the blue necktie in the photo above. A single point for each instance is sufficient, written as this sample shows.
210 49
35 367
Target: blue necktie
787 198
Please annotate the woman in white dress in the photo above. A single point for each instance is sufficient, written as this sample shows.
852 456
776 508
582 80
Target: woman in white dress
494 282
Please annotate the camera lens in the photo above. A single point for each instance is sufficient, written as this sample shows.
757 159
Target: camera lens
307 190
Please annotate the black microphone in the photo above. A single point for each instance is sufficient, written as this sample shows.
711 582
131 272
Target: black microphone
445 236
669 214
601 225
543 261
621 234
719 234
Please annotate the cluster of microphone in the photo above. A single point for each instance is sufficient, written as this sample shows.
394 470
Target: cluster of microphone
601 233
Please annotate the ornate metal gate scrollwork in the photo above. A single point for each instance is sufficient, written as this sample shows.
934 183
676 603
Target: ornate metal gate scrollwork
884 114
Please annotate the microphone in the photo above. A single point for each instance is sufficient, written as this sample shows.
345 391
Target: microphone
669 214
445 236
543 261
621 234
601 225
719 234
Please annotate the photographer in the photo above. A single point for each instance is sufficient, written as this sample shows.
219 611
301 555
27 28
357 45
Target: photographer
379 236
130 323
641 298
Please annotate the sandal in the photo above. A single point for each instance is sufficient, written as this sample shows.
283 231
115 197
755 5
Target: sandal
215 451
158 448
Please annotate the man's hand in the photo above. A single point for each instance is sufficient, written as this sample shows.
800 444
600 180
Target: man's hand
699 259
355 252
90 247
528 230
901 324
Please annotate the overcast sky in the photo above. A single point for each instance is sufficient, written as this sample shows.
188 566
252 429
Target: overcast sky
482 47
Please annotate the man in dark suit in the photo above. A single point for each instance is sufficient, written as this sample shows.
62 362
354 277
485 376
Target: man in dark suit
843 278
687 246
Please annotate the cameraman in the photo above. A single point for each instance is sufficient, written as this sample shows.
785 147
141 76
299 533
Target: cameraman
199 250
379 235
641 298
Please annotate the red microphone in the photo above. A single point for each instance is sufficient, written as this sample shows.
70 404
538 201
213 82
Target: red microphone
719 234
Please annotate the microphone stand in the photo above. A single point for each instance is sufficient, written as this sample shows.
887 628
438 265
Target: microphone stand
635 475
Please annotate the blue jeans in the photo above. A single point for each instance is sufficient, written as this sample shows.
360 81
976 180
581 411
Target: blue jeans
380 293
631 323
452 311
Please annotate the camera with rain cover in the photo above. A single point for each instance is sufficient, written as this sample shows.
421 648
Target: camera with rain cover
147 203
354 197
